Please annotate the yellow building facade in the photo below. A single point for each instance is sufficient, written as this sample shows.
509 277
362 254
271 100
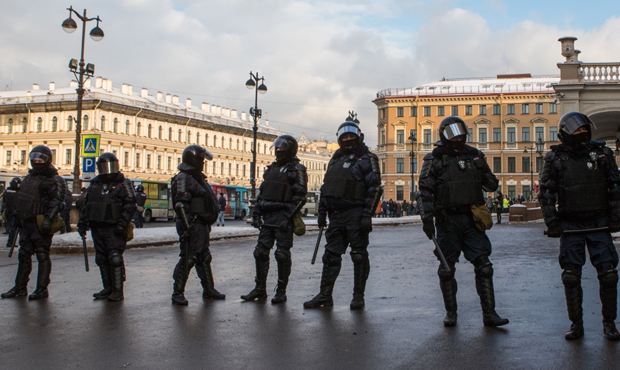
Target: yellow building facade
505 116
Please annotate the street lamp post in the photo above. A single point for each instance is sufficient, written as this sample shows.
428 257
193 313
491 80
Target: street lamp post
539 147
412 140
82 72
253 83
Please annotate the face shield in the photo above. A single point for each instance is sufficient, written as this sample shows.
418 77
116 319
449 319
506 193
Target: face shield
454 130
107 167
281 145
348 129
572 123
38 158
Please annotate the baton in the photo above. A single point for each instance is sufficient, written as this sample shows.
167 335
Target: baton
316 247
85 252
13 241
441 255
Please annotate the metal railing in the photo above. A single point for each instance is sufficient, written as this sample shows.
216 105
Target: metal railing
600 72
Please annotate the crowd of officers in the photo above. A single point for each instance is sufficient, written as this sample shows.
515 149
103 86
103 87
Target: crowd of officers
452 206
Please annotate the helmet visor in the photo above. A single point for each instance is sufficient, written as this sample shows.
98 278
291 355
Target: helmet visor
453 130
281 144
107 167
207 155
348 129
573 123
39 158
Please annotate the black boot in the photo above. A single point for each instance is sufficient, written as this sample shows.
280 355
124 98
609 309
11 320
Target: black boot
574 296
361 269
484 286
43 277
448 291
24 266
328 279
105 279
608 281
180 275
206 280
116 283
259 293
283 259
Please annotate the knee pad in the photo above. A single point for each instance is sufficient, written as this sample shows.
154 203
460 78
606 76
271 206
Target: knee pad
261 254
101 259
24 256
282 254
445 275
608 278
116 259
207 257
571 277
483 266
359 257
332 259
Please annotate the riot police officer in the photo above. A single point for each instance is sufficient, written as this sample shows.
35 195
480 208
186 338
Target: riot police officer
452 180
40 200
282 193
9 200
572 169
348 196
196 208
107 209
140 202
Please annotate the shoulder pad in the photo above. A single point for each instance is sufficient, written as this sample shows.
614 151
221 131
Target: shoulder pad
129 187
550 155
429 157
597 143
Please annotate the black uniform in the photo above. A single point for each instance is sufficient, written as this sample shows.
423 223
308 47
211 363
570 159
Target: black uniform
348 197
107 209
41 194
282 192
66 211
570 172
193 196
140 202
9 200
452 179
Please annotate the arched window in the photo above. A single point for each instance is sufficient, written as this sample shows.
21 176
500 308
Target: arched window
24 124
160 133
189 136
214 167
139 129
85 122
206 139
115 128
222 141
222 168
127 127
180 135
69 123
237 147
10 125
229 169
102 123
245 145
264 148
215 141
54 124
170 133
148 130
39 124
198 138
230 143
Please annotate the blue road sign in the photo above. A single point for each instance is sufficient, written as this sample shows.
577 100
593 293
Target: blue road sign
88 165
90 145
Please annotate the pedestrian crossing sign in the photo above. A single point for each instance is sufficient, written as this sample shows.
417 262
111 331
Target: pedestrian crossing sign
90 145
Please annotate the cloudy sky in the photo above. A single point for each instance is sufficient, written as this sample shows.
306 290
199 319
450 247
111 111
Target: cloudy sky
319 58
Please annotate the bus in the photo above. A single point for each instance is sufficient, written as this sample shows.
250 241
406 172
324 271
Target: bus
158 200
237 200
312 204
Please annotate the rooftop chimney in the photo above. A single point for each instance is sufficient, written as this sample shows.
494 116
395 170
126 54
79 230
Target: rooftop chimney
188 103
98 82
205 107
52 86
160 96
35 87
175 99
144 93
168 98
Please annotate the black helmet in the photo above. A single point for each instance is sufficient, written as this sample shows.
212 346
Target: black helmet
107 164
452 129
570 123
193 158
286 148
15 183
349 134
40 156
140 188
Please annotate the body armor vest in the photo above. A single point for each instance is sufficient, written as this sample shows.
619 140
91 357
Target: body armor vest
205 208
29 197
582 184
103 206
275 185
340 183
140 199
459 182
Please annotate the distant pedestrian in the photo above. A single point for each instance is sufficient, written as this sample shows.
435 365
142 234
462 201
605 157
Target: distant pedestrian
222 205
499 206
140 203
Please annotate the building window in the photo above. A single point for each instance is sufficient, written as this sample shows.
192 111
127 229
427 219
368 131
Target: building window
400 137
215 141
198 138
148 161
179 135
138 164
414 164
39 124
222 168
482 110
427 136
470 135
497 109
229 169
413 112
213 167
455 110
53 156
22 157
222 143
510 109
525 134
400 112
512 191
149 130
427 111
540 133
127 127
102 123
159 162
230 144
553 134
482 135
400 165
237 170
160 133
525 108
69 123
497 134
382 113
512 166
527 192
511 136
9 157
24 124
264 148
400 191
383 166
126 159
539 163
189 136
245 146
139 129
170 133
67 156
54 124
10 125
237 147
469 110
497 164
553 108
539 108
115 125
441 110
525 164
244 171
169 166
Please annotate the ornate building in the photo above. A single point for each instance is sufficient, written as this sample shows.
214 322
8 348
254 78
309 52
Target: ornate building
505 115
315 156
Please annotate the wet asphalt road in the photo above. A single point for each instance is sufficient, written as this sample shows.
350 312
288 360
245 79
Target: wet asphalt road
400 328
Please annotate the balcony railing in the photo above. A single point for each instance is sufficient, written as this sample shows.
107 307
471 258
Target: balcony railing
600 72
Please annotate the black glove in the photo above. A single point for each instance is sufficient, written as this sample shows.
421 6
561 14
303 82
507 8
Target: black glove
256 220
46 225
322 220
82 231
119 230
554 230
366 223
428 226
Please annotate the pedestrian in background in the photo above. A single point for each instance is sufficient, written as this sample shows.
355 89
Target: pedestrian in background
221 201
499 206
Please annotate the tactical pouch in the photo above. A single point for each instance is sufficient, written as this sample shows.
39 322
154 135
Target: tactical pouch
482 217
57 223
130 227
140 209
299 227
